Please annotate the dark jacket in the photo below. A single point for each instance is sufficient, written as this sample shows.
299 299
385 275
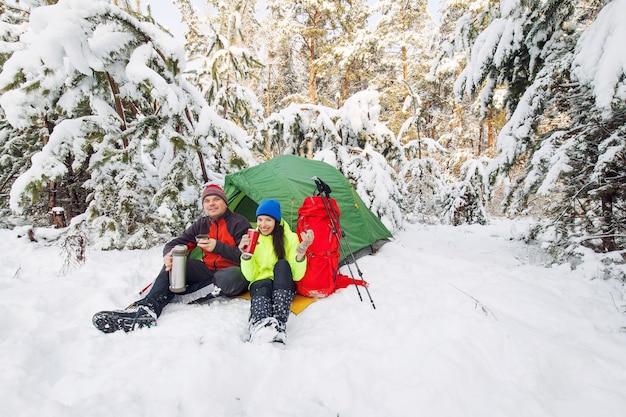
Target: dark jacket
228 231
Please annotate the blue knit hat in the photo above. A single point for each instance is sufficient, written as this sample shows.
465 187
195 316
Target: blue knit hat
269 208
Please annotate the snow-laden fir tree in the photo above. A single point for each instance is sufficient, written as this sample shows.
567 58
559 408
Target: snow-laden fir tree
13 22
15 147
352 139
311 29
454 121
223 64
562 126
581 157
402 32
462 200
370 156
124 130
344 65
420 179
279 83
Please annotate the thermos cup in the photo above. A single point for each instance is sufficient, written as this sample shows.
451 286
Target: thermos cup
179 265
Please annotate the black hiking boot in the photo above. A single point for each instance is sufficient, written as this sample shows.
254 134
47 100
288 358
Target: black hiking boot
128 320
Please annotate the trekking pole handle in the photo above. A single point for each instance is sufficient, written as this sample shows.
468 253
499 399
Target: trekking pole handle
322 187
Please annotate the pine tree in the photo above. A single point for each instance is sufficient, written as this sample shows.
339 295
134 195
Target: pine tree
280 82
15 148
14 20
455 119
351 138
563 131
462 200
374 180
403 33
310 28
581 154
218 45
421 180
345 62
120 129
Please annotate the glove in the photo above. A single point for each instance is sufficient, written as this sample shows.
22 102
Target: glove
307 238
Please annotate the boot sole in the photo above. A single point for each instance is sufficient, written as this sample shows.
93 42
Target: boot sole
110 321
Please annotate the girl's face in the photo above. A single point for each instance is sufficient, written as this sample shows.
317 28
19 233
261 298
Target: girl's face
265 224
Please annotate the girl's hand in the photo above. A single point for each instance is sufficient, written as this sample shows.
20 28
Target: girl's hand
245 241
307 238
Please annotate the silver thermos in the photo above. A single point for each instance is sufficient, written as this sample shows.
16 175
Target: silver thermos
179 265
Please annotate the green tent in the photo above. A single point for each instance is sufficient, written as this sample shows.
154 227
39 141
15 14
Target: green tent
289 179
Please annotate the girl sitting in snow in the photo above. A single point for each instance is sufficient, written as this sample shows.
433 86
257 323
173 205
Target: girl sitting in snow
278 260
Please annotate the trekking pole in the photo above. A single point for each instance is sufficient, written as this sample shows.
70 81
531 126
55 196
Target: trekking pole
357 266
336 226
323 188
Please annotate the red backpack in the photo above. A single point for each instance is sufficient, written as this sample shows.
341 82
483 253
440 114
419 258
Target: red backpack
322 275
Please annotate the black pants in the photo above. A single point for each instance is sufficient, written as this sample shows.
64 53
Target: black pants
282 281
198 277
272 297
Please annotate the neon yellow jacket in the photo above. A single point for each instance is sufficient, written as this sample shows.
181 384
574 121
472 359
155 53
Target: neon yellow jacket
261 264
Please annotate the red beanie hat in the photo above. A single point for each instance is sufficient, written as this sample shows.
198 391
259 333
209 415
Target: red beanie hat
214 189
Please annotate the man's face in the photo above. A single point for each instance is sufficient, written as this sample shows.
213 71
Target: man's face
214 206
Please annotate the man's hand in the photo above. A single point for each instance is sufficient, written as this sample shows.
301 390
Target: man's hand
167 260
207 244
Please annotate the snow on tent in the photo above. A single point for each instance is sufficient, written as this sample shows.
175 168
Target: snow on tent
289 179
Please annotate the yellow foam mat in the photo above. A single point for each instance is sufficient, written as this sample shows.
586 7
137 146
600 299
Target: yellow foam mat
298 304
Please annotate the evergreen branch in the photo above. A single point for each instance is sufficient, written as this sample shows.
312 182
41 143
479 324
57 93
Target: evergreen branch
484 309
615 304
583 239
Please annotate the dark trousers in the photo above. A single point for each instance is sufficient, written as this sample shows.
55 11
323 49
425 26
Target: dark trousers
273 297
198 277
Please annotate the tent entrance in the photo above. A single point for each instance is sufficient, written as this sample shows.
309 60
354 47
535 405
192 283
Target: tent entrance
244 205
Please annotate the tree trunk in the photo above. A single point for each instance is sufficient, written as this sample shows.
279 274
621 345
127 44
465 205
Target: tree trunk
312 69
70 182
346 86
205 175
608 238
269 86
52 196
59 217
119 108
490 128
405 67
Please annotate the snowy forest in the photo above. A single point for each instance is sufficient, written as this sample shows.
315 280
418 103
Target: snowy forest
109 126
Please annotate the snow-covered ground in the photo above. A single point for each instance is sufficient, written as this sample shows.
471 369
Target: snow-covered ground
467 323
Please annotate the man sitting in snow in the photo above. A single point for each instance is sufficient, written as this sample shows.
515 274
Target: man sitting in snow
218 272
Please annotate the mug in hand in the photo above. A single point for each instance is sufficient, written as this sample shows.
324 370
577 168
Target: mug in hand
253 234
201 237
